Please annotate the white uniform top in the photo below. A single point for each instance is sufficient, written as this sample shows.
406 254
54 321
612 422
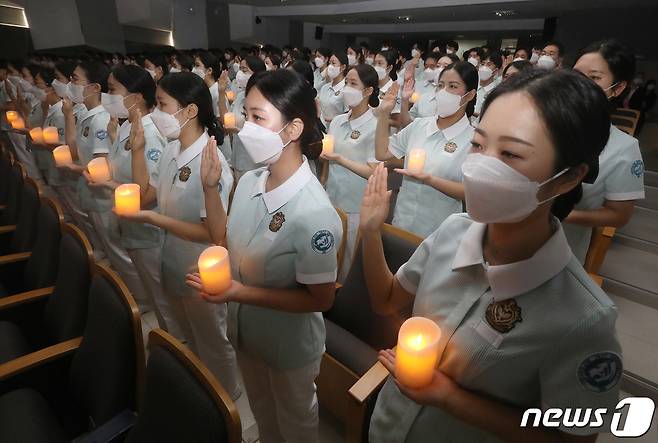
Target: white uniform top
482 93
283 238
6 87
318 79
536 333
92 139
43 157
214 95
241 160
133 235
331 101
180 195
420 208
424 107
345 188
621 178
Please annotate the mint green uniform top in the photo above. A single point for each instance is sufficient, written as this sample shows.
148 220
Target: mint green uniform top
331 101
345 188
43 157
135 235
549 340
284 238
419 207
425 106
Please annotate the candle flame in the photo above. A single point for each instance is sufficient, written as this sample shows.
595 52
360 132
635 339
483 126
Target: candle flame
210 262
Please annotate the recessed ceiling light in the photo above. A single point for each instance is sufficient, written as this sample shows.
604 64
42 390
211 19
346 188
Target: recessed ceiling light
460 35
505 12
404 18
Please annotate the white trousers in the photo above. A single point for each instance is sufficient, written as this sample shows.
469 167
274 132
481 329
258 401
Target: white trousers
203 325
284 402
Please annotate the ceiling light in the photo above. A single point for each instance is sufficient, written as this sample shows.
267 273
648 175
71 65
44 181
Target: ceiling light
505 12
404 18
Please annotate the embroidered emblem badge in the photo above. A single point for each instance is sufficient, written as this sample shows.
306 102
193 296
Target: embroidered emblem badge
277 221
600 372
322 241
503 315
355 134
450 147
184 174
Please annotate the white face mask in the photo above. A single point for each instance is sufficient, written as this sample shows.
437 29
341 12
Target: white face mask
39 93
241 79
485 73
351 96
174 70
76 92
151 73
474 61
370 61
497 193
534 58
447 104
113 103
198 70
61 89
263 146
319 62
351 59
546 62
236 67
167 123
449 51
431 74
415 52
333 71
381 72
518 59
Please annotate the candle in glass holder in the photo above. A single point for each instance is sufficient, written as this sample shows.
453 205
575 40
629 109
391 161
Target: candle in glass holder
230 96
417 352
99 170
18 123
50 135
229 120
215 270
62 155
328 144
414 97
126 199
11 116
416 161
36 134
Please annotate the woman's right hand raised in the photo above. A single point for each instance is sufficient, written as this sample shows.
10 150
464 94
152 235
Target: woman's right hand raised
389 100
376 201
211 167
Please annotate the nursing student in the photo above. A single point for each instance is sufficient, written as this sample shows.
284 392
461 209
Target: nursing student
184 116
331 103
522 324
282 237
610 200
240 160
353 158
428 197
385 64
157 66
320 63
487 72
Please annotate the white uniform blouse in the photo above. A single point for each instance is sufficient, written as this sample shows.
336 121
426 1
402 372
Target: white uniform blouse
331 101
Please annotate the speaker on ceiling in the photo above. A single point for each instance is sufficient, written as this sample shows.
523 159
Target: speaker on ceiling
319 30
258 20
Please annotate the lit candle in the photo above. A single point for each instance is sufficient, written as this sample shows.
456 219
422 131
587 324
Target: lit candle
328 144
36 134
229 120
417 352
416 161
99 170
18 123
414 97
11 116
126 199
230 95
50 135
62 155
215 270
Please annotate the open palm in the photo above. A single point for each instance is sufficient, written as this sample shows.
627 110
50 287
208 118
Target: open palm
211 167
376 200
136 137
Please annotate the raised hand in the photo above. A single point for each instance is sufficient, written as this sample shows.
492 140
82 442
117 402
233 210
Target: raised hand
408 88
211 167
67 106
389 100
136 137
112 127
223 81
376 198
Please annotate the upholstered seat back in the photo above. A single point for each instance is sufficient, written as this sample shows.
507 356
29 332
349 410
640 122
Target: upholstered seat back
10 213
41 268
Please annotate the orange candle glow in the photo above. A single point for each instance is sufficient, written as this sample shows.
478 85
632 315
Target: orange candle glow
215 270
416 161
230 96
36 134
126 199
62 155
417 352
11 116
229 120
50 135
414 97
99 170
18 123
328 144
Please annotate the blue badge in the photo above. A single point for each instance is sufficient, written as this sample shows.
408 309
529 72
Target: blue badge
101 134
322 241
600 372
60 131
637 168
153 155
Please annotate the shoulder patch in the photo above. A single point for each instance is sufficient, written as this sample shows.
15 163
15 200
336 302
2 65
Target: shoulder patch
600 372
101 134
637 168
322 241
153 154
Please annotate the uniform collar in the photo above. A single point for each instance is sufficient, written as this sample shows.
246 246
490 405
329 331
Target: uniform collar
90 113
283 193
186 156
339 86
54 108
489 87
513 279
450 132
387 86
361 120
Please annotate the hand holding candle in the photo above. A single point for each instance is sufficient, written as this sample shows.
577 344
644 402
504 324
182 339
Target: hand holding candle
416 162
328 144
99 170
50 135
229 120
215 270
18 123
126 199
417 352
62 155
36 134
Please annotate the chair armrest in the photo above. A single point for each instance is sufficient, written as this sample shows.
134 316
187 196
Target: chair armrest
38 358
369 383
608 231
25 297
111 429
7 228
14 258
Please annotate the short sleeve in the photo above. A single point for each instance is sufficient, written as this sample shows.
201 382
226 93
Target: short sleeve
398 144
585 368
153 153
626 181
99 139
316 242
413 112
409 274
